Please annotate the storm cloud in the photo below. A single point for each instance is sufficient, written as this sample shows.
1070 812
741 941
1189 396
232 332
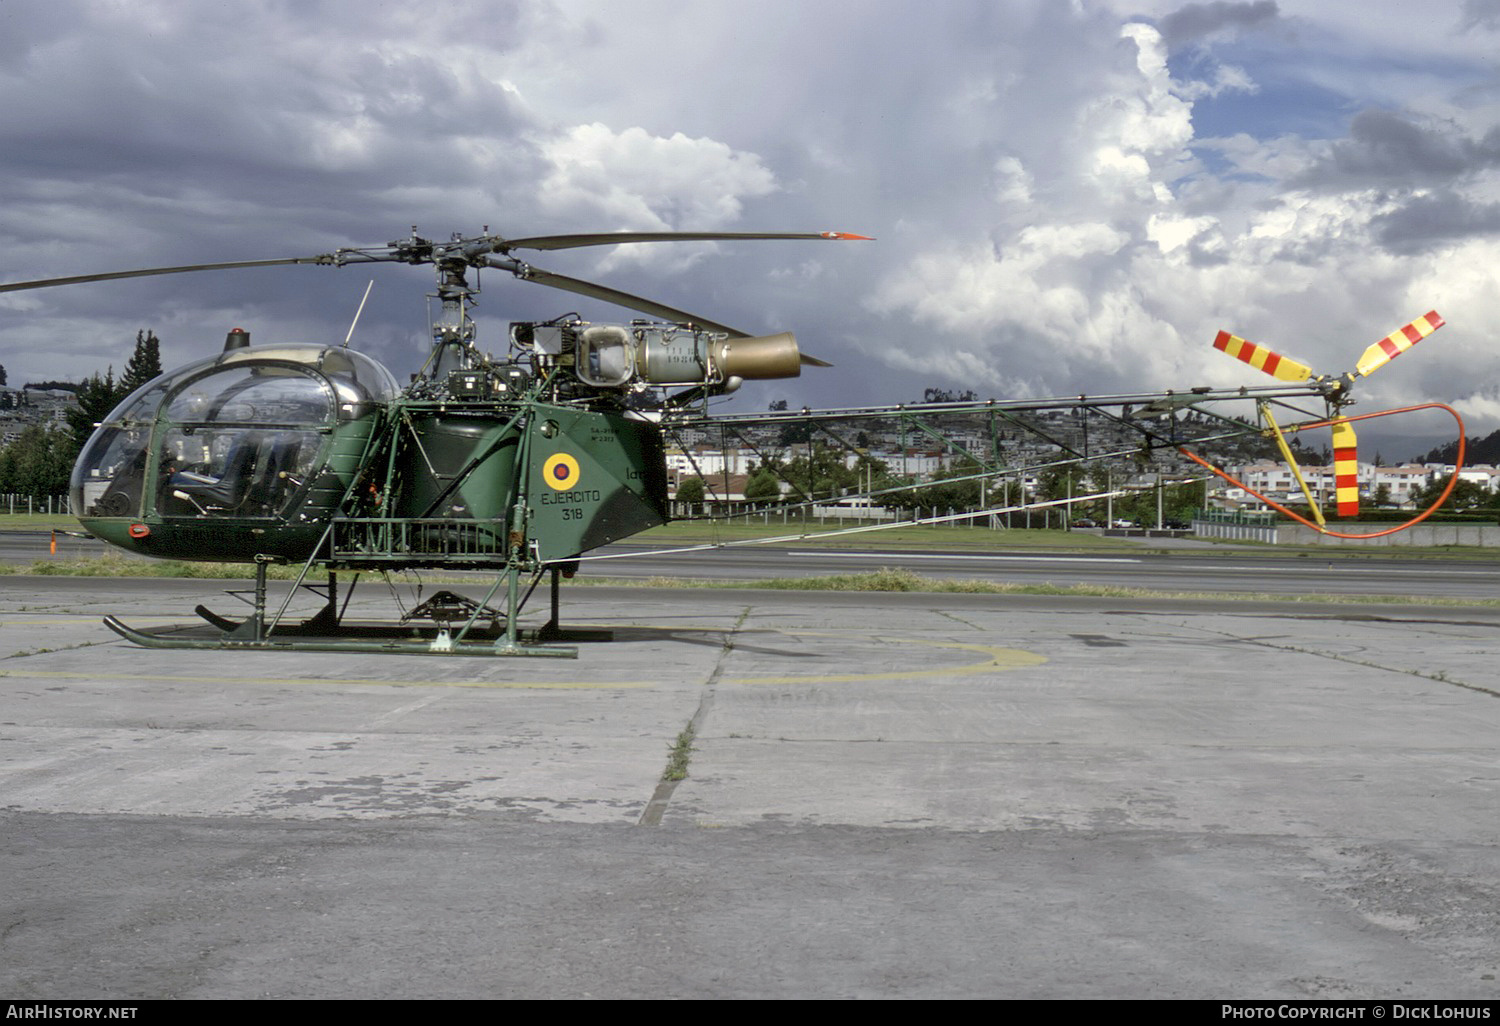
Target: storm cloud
1437 219
1054 215
1196 21
1386 149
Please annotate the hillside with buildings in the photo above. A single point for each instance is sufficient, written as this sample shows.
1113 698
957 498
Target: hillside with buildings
888 457
21 408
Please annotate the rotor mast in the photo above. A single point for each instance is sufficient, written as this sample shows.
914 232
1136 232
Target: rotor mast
453 332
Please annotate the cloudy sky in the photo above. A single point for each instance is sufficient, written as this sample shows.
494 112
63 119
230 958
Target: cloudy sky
1068 197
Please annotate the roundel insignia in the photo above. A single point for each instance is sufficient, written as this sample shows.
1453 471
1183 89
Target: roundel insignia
560 471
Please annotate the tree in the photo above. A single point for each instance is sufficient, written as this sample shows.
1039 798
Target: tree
942 490
144 364
824 474
763 486
1060 482
690 490
1466 495
39 462
943 395
795 433
2 374
1480 450
96 398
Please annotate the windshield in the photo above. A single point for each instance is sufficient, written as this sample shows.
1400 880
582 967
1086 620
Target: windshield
236 435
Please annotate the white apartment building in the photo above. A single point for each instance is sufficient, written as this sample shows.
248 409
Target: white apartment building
1275 480
705 461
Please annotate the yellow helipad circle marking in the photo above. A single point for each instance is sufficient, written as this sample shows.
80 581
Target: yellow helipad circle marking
560 471
999 659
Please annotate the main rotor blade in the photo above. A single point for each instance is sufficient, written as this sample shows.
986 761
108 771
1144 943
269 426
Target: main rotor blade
617 238
146 272
625 299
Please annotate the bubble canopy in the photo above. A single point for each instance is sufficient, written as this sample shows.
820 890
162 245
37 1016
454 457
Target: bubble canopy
240 434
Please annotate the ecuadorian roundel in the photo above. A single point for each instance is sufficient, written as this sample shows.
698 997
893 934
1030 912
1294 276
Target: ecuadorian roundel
560 471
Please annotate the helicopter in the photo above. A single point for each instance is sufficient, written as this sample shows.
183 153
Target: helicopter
314 455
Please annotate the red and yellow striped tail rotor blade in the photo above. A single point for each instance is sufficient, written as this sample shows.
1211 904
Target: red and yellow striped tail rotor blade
1261 358
1397 342
1345 468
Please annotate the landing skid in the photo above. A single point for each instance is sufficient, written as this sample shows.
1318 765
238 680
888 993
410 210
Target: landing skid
328 631
361 637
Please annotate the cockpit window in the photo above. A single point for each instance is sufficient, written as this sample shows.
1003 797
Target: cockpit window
253 395
239 438
140 406
236 472
240 441
108 478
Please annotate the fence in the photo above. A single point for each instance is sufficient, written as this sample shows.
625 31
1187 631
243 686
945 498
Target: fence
1055 518
1477 535
13 503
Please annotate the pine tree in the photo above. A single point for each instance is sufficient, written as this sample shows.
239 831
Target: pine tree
96 398
145 362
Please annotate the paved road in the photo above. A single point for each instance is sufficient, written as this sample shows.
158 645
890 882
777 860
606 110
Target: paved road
887 795
1243 570
1232 571
29 546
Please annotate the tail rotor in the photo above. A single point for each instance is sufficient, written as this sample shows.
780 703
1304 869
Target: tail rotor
1345 445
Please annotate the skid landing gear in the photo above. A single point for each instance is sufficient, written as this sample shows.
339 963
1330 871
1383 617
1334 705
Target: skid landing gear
456 630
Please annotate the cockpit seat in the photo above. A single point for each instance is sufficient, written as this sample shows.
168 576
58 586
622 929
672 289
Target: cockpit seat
278 461
231 488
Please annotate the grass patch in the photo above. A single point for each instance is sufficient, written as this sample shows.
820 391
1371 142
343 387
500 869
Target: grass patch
678 754
38 522
885 579
125 566
702 532
934 537
983 539
112 565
